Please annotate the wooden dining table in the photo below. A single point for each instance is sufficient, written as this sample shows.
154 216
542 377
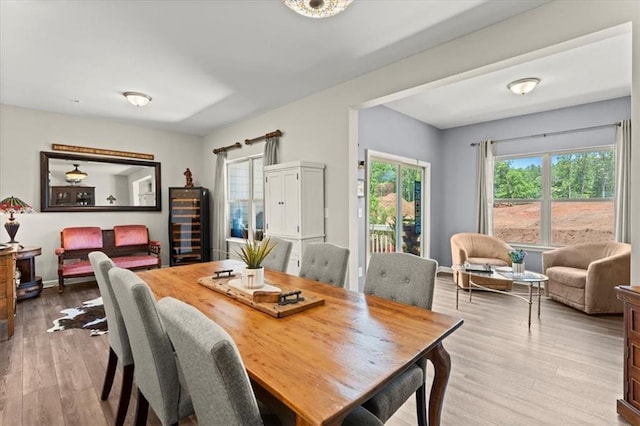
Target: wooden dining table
322 362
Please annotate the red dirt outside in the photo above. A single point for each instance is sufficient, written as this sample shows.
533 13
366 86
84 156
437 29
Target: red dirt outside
573 222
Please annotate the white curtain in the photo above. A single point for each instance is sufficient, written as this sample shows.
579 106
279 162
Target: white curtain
271 151
484 187
219 226
623 182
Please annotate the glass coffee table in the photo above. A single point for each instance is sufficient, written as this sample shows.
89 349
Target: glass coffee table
528 278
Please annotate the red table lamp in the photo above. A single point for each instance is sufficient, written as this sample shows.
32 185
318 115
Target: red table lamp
13 205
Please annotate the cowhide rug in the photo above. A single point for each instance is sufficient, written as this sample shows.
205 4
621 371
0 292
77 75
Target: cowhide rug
90 316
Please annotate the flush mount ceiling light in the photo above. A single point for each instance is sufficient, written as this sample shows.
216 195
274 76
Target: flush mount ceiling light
75 175
317 8
137 99
523 86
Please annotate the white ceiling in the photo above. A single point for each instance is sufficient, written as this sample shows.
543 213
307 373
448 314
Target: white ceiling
209 63
598 68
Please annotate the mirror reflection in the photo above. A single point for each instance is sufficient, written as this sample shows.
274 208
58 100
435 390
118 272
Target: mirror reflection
87 183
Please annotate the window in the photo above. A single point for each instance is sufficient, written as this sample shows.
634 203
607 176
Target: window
555 198
245 198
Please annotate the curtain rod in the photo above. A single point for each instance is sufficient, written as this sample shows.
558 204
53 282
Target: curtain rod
275 133
225 148
544 135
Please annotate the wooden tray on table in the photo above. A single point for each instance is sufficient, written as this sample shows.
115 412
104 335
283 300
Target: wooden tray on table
264 299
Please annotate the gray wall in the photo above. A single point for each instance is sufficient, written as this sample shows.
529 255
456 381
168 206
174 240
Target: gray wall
24 132
385 130
453 161
459 158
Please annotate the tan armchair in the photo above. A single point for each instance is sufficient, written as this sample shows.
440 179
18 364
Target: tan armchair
583 276
480 248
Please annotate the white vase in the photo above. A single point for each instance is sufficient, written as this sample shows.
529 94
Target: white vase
253 278
518 268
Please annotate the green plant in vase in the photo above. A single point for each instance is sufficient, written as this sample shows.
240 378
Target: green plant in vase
253 254
517 260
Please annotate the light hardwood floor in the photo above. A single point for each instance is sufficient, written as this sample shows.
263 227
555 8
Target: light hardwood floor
566 371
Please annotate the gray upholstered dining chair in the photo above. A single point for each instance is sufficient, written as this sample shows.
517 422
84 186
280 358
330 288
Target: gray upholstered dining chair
325 262
278 259
119 348
157 373
215 374
408 279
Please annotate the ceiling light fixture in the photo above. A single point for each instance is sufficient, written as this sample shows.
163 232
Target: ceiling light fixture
523 86
75 175
137 99
317 8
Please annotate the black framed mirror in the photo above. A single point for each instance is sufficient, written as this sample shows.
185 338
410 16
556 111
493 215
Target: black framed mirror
84 183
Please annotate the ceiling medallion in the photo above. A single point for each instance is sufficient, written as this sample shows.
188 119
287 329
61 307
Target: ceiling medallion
317 8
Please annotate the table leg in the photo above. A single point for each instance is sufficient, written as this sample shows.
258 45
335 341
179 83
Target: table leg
457 290
470 287
530 303
442 367
538 299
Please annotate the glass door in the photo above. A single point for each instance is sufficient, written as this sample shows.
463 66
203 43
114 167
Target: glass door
396 197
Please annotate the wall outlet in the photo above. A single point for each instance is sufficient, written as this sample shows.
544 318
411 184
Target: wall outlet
360 212
326 212
359 271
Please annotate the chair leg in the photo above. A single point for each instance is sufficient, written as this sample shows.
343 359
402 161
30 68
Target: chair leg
112 364
421 405
125 394
142 409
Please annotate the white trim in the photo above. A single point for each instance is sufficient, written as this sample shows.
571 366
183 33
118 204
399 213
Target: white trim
352 184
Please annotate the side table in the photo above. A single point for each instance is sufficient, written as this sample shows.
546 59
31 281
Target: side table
30 284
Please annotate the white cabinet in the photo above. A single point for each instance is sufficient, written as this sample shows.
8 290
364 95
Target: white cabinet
294 205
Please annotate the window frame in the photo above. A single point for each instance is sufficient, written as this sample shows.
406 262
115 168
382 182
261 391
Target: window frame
251 201
546 220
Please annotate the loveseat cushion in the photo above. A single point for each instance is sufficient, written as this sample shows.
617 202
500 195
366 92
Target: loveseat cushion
130 235
81 238
131 262
77 269
572 277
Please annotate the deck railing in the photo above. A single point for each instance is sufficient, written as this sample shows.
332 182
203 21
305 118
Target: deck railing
382 239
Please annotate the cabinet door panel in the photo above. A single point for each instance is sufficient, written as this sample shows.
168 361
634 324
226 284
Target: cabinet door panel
291 214
273 203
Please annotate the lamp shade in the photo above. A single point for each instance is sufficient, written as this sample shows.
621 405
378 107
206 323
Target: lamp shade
317 8
13 205
75 175
137 99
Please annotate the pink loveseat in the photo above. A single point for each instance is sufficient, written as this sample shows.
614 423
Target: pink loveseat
584 275
127 245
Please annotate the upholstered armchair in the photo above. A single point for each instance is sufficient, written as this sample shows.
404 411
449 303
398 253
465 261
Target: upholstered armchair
583 276
482 249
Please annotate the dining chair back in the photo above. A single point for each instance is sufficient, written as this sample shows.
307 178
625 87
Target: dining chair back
325 262
156 372
214 372
278 259
119 348
212 367
408 279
